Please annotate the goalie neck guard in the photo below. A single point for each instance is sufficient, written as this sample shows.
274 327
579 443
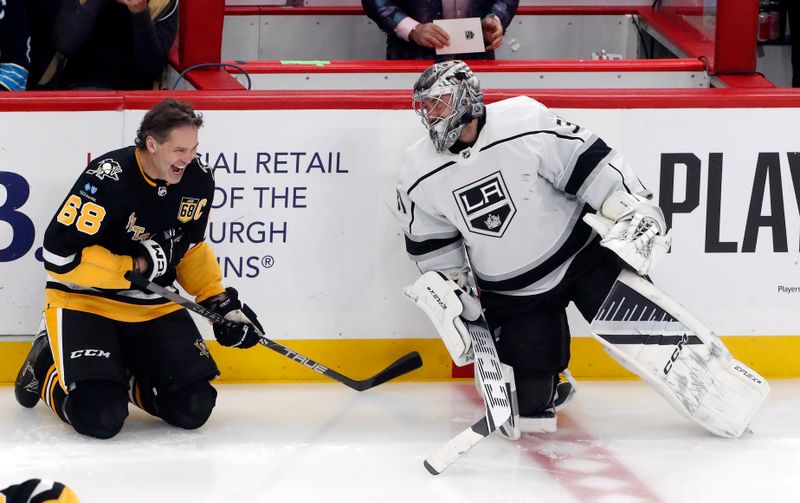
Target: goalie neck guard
447 96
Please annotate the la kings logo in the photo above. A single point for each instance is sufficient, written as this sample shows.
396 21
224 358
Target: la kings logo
486 205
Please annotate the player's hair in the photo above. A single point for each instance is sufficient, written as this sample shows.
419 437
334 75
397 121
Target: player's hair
163 118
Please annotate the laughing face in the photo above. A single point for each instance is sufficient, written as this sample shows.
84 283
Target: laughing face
169 159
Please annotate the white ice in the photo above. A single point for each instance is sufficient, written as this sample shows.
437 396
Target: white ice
618 442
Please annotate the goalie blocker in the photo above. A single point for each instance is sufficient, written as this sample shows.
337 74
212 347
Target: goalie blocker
654 337
447 306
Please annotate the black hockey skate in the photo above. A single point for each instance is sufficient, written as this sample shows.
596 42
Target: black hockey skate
565 391
26 388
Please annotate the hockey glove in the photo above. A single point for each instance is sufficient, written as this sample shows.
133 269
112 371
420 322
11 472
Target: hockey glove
244 334
633 228
162 251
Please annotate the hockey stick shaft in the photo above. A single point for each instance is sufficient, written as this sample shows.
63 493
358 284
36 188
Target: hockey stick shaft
403 365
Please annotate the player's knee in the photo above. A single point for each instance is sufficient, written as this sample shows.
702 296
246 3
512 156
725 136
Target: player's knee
97 408
535 394
190 406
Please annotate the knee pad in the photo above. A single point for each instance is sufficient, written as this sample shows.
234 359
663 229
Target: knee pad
535 394
97 408
188 407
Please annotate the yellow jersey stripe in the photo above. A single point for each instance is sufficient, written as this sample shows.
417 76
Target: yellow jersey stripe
108 308
99 268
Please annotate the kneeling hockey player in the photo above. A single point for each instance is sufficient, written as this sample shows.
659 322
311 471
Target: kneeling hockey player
102 342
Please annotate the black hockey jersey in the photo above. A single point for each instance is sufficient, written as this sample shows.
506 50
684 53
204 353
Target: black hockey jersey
38 491
513 202
89 244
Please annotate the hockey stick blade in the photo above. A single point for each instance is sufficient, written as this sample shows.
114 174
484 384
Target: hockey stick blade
404 365
447 454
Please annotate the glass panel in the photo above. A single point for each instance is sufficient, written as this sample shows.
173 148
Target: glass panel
699 14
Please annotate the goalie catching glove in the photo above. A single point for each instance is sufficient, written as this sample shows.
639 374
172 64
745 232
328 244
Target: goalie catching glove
447 306
633 228
246 333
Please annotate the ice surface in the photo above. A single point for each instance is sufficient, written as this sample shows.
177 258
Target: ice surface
617 442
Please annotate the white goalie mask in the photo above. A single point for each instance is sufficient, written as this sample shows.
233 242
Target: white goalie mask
447 96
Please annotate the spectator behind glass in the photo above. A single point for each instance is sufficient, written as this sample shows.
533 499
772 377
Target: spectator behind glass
411 34
13 45
794 26
114 44
41 18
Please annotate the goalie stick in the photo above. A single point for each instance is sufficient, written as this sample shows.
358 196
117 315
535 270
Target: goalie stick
449 453
496 389
403 365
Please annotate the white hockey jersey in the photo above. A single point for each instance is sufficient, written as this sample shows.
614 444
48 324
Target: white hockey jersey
513 201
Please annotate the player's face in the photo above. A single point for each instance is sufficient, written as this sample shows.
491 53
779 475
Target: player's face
437 109
171 157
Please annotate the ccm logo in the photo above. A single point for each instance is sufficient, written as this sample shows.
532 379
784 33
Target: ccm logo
90 352
676 353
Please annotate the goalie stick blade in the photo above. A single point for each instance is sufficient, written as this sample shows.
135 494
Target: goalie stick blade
403 365
430 468
449 453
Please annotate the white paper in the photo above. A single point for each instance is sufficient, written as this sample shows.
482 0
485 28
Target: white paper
466 35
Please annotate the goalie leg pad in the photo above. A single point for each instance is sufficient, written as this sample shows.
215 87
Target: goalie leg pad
444 302
657 339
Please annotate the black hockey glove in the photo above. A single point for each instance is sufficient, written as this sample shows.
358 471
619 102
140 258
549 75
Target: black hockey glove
162 251
242 335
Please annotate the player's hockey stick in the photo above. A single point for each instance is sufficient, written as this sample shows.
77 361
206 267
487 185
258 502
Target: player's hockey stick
405 364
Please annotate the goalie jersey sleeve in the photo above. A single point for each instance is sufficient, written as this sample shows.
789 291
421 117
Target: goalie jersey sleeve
114 205
577 161
433 242
513 202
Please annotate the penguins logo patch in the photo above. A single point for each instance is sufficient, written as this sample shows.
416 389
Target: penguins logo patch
107 168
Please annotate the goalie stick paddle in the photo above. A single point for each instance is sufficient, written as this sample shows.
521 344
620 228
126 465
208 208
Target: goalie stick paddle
497 395
403 365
